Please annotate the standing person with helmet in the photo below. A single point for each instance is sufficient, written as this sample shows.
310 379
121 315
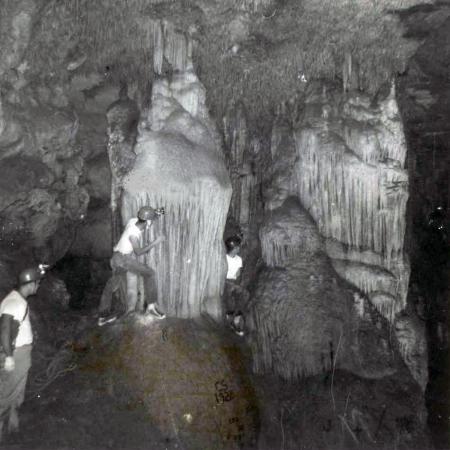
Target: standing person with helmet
16 338
235 295
124 260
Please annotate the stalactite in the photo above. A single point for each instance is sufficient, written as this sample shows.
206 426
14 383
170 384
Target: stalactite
192 255
352 202
254 5
353 183
170 45
275 254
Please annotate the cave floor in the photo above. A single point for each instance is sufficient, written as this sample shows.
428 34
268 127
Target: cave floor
81 410
84 409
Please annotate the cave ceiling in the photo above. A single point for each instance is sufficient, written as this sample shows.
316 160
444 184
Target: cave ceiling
260 52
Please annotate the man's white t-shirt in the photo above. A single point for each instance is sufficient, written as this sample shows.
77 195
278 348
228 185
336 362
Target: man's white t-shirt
234 264
124 245
15 305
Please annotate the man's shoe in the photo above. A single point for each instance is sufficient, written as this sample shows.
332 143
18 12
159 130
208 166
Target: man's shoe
151 308
106 319
13 423
236 330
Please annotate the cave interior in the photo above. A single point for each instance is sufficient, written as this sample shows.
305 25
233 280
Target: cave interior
316 131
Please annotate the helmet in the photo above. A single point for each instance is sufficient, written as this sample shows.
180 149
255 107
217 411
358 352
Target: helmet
233 242
147 213
30 274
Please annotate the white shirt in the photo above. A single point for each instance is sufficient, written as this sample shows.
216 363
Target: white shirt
234 264
124 245
15 305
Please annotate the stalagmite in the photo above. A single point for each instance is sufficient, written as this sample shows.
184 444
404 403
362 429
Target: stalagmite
304 321
179 165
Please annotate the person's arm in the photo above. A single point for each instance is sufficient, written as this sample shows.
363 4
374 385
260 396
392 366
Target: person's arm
5 340
138 250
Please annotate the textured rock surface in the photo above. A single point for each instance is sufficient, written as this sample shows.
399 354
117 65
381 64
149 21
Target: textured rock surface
240 151
304 320
40 169
345 165
351 178
122 116
179 165
411 335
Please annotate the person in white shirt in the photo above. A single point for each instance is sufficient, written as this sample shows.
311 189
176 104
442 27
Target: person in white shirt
235 295
16 339
124 260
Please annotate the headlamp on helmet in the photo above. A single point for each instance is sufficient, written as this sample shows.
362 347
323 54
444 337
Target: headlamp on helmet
30 274
149 213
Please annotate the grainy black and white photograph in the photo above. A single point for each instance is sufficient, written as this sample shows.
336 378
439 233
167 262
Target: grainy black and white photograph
224 224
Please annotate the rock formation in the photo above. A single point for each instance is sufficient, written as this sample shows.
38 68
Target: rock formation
343 160
179 165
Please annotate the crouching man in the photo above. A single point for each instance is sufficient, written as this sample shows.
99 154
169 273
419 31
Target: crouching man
124 260
16 340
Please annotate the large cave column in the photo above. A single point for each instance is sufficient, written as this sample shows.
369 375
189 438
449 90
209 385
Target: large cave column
179 165
351 177
335 200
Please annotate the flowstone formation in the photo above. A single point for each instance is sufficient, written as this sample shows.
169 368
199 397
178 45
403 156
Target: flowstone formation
179 165
305 319
350 175
335 209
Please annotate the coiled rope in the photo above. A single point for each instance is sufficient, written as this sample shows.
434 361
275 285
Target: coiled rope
57 365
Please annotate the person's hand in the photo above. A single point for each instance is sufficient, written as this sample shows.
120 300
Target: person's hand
160 238
9 364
